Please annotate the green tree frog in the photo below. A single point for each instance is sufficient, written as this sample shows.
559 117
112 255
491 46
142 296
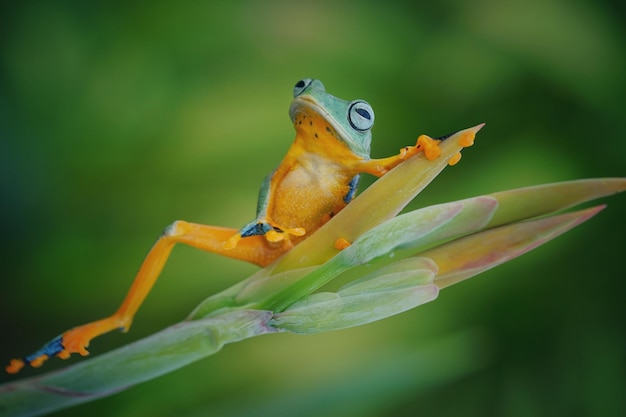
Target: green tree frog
316 179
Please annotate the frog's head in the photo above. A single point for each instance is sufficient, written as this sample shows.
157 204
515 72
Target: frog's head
350 121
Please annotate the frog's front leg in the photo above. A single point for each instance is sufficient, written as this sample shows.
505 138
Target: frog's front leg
379 167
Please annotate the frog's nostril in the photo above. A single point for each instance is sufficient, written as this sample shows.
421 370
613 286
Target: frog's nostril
301 86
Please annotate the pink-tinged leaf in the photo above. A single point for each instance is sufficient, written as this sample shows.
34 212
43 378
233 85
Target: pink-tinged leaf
539 200
473 254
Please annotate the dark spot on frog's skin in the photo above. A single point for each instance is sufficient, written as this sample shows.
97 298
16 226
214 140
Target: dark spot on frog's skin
299 122
328 129
310 123
316 136
444 137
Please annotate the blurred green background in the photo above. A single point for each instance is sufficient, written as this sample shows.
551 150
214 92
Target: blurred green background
117 118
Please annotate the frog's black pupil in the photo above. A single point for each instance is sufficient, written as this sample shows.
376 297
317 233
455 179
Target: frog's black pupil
300 84
364 113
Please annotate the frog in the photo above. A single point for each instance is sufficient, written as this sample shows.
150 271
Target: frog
316 179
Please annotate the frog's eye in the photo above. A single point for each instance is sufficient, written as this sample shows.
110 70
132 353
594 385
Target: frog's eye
301 86
361 115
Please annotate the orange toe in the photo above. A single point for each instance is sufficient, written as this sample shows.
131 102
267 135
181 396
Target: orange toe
14 366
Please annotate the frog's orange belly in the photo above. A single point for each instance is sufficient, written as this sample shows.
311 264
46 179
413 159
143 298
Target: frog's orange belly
309 199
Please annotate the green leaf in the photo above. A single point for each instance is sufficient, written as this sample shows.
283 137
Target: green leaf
539 200
170 349
408 231
388 291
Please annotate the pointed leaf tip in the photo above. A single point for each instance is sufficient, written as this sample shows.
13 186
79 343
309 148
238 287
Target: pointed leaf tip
477 128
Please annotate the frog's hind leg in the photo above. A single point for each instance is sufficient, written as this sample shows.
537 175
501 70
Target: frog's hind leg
210 238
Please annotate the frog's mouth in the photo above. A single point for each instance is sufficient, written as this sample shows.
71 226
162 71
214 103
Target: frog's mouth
307 105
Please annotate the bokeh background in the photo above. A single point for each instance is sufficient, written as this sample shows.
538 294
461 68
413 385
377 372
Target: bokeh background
117 118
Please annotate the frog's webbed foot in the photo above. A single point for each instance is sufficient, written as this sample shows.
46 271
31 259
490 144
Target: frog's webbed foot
73 341
425 144
271 232
50 349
